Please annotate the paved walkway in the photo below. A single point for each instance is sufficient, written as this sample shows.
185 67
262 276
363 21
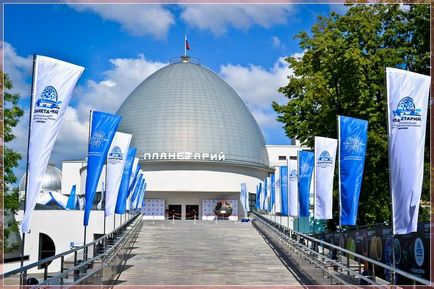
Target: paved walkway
205 253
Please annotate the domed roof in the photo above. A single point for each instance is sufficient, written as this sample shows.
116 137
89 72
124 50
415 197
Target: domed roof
185 107
52 180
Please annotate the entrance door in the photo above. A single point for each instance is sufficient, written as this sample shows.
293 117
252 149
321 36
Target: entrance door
191 211
174 211
46 249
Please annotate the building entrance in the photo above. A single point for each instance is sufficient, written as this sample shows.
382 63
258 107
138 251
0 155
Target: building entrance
174 212
191 211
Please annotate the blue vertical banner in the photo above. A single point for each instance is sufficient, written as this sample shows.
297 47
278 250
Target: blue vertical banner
353 135
103 129
72 200
305 163
284 189
140 202
272 191
121 202
136 190
258 197
266 196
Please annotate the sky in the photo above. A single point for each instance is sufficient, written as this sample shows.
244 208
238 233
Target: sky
121 44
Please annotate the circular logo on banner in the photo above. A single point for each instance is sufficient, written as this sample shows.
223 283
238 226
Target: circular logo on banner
353 144
406 114
97 139
419 254
325 160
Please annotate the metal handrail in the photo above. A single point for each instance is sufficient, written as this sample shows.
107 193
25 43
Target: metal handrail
90 261
325 258
63 254
369 260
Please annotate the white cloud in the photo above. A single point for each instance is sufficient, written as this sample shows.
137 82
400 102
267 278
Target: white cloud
109 93
258 86
277 43
218 18
18 68
105 95
137 19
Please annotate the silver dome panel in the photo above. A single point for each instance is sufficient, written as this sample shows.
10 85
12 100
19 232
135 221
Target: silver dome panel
52 180
185 107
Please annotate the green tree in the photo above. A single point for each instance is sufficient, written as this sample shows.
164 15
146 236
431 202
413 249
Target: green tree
11 114
342 72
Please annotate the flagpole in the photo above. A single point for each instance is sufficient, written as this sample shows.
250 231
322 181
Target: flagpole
298 189
87 171
287 189
339 175
314 188
105 195
390 181
185 45
27 162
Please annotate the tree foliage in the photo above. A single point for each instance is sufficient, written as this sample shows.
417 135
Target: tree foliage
11 115
342 72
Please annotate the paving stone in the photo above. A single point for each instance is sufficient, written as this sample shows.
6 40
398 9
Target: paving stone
205 253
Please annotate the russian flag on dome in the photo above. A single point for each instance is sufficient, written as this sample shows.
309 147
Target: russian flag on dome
187 46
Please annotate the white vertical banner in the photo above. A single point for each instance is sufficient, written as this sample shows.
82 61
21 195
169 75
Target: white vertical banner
325 159
267 200
292 188
116 158
53 83
407 98
277 194
243 199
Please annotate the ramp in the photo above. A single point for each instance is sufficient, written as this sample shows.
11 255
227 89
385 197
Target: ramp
203 253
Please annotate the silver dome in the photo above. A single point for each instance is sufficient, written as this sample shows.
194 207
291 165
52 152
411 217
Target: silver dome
185 107
52 180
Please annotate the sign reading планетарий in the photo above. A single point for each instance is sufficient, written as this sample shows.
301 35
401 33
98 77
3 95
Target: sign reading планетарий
185 156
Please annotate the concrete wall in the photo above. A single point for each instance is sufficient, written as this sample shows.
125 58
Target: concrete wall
195 198
63 227
71 176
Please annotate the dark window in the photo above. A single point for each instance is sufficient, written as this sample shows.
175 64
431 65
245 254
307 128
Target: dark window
191 212
174 212
46 249
282 158
293 157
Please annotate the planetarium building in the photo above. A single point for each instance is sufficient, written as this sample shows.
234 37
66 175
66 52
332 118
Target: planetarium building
196 142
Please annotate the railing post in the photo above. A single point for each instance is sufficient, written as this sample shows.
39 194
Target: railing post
45 272
62 259
23 279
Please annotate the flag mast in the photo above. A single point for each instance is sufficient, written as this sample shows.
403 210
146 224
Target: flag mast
28 148
185 45
85 227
